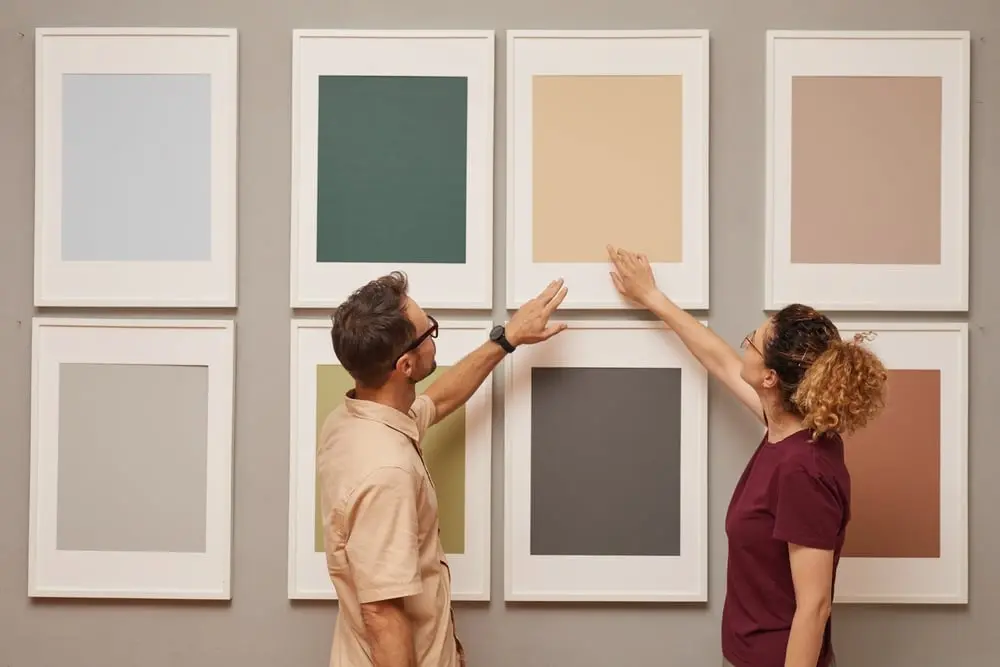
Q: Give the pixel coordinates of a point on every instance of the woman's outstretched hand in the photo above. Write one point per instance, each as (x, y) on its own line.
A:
(632, 275)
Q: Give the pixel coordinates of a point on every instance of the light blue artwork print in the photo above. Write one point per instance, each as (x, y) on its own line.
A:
(136, 167)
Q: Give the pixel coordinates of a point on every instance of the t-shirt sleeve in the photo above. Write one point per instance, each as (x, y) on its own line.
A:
(807, 509)
(382, 546)
(423, 411)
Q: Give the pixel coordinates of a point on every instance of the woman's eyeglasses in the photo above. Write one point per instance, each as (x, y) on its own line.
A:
(748, 342)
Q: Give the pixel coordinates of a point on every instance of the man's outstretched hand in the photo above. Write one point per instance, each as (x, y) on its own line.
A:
(530, 324)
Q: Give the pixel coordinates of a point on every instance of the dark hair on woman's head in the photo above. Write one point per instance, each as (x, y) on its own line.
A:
(832, 384)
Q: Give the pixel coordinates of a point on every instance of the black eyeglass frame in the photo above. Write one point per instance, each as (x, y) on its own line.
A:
(432, 332)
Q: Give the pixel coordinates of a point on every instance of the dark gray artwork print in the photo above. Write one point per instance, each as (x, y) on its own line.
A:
(605, 461)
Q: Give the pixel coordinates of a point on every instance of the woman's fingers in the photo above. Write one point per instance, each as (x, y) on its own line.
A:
(616, 279)
(627, 264)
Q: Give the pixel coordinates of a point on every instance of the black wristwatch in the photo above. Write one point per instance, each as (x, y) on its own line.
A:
(498, 336)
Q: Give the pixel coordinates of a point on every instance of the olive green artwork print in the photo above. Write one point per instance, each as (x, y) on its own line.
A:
(391, 171)
(444, 453)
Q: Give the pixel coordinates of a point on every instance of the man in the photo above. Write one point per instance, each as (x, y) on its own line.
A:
(380, 513)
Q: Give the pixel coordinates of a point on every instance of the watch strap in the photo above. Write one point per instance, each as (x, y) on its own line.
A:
(498, 336)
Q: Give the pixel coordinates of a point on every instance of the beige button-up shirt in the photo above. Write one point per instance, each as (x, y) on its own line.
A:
(381, 529)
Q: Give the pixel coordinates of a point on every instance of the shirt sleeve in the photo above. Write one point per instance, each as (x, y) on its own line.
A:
(807, 511)
(423, 411)
(382, 546)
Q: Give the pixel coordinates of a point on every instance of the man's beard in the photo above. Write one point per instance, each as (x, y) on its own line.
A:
(426, 375)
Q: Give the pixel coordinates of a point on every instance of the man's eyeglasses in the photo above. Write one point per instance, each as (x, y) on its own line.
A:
(432, 332)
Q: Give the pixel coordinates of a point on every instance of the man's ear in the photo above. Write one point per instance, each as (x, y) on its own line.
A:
(405, 364)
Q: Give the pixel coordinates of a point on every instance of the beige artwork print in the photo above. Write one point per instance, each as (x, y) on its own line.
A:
(607, 167)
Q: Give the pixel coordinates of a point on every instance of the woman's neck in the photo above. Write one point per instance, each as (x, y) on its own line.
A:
(781, 423)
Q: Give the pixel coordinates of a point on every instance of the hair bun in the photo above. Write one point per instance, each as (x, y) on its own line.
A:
(863, 336)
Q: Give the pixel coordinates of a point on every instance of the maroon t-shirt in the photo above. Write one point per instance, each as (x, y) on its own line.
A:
(797, 491)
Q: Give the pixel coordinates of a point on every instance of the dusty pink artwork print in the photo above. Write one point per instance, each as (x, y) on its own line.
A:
(866, 170)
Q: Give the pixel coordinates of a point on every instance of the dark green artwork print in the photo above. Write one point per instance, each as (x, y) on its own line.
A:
(391, 169)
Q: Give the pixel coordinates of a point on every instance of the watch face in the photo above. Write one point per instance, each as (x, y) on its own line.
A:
(496, 332)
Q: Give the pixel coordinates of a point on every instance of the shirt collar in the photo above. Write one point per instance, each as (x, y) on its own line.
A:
(382, 414)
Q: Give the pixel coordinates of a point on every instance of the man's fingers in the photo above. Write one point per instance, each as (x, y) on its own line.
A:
(550, 291)
(541, 296)
(555, 300)
(552, 330)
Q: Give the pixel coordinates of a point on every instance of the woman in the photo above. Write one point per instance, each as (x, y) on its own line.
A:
(787, 518)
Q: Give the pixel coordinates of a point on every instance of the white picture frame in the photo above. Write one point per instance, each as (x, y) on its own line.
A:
(607, 52)
(121, 574)
(577, 578)
(869, 287)
(308, 577)
(941, 346)
(138, 283)
(465, 53)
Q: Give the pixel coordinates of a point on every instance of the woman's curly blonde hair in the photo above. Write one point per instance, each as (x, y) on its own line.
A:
(832, 384)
